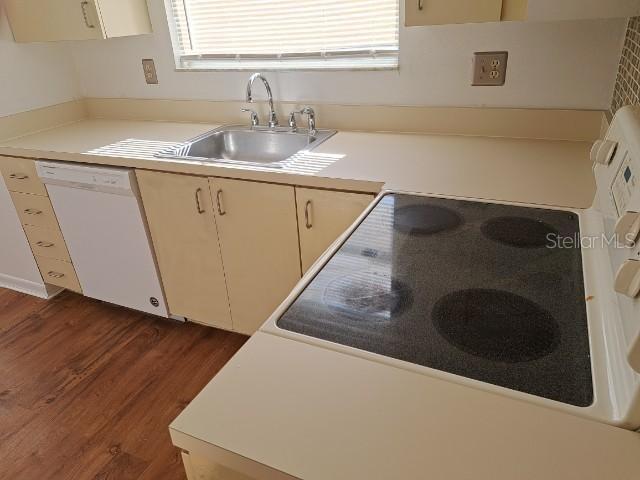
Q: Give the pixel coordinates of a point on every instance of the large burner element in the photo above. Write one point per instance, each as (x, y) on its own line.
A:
(425, 219)
(519, 232)
(496, 325)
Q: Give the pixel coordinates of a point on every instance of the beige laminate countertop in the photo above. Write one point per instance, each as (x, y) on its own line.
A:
(519, 170)
(318, 414)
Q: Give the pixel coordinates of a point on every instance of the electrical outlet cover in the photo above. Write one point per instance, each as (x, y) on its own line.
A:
(149, 70)
(490, 68)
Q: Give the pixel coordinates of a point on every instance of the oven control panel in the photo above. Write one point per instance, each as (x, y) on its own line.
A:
(625, 184)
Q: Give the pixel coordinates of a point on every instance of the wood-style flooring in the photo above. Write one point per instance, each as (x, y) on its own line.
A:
(88, 389)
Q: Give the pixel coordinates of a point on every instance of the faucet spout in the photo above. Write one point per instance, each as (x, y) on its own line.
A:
(273, 119)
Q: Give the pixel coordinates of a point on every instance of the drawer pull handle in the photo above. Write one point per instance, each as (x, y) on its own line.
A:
(33, 211)
(18, 176)
(55, 274)
(85, 14)
(307, 215)
(198, 205)
(221, 210)
(420, 4)
(45, 244)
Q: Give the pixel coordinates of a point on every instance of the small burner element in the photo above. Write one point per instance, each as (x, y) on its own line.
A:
(425, 219)
(496, 325)
(367, 295)
(519, 232)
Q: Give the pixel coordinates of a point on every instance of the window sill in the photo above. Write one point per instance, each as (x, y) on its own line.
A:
(289, 65)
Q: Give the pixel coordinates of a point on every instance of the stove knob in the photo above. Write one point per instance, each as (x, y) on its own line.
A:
(603, 151)
(628, 229)
(628, 279)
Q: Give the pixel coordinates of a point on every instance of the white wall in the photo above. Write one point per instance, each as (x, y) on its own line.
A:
(552, 65)
(33, 75)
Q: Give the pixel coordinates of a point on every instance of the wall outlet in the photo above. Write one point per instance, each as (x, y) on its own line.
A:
(149, 70)
(490, 68)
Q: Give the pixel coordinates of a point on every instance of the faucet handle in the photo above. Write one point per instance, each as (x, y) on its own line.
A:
(255, 121)
(292, 120)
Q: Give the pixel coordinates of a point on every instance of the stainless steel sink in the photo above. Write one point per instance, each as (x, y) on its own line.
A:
(243, 145)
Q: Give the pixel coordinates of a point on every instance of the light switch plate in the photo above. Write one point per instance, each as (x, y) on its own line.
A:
(490, 68)
(149, 69)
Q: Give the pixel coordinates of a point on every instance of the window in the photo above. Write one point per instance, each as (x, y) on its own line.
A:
(285, 34)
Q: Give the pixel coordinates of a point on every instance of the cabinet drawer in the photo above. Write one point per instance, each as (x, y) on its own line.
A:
(47, 242)
(57, 272)
(20, 176)
(35, 210)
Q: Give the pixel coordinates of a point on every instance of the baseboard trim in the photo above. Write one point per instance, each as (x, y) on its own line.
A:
(28, 287)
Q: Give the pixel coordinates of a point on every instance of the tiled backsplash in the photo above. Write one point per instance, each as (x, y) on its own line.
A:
(627, 89)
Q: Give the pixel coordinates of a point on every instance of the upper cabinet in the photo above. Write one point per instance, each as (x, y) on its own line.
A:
(580, 9)
(53, 20)
(440, 12)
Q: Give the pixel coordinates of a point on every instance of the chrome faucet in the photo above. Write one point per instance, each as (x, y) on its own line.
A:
(311, 118)
(273, 120)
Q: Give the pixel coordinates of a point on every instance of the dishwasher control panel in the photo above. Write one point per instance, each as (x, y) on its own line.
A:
(106, 179)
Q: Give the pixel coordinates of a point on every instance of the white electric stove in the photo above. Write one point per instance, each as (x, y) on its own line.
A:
(536, 303)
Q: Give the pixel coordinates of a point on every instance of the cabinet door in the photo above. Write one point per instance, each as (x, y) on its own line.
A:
(581, 9)
(51, 20)
(439, 12)
(183, 230)
(259, 242)
(323, 216)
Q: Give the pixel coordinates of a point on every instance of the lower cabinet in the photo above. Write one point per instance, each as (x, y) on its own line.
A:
(258, 235)
(230, 251)
(182, 224)
(323, 215)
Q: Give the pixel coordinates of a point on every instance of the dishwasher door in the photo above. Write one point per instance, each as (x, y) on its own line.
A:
(110, 246)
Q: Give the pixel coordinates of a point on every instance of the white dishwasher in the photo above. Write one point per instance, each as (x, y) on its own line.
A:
(102, 221)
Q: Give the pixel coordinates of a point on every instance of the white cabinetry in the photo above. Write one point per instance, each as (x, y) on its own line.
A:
(52, 20)
(581, 9)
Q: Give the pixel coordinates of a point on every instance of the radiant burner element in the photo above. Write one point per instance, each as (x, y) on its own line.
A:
(519, 232)
(425, 219)
(496, 325)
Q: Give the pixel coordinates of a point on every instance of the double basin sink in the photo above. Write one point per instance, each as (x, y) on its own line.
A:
(251, 146)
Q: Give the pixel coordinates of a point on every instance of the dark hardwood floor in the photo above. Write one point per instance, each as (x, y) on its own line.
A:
(87, 389)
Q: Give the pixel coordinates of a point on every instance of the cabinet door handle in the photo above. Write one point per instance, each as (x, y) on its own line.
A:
(307, 215)
(33, 211)
(18, 176)
(85, 14)
(198, 204)
(45, 244)
(55, 274)
(420, 4)
(221, 210)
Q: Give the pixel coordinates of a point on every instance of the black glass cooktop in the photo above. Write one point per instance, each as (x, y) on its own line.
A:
(476, 289)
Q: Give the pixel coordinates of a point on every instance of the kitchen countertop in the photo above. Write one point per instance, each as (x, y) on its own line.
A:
(518, 170)
(319, 414)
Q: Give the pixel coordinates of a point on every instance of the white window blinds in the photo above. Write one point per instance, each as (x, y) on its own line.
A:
(286, 34)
